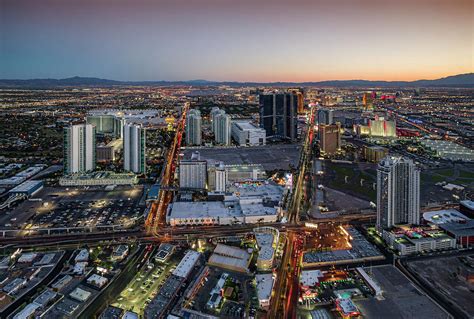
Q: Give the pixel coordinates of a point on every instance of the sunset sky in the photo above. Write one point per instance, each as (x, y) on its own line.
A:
(245, 40)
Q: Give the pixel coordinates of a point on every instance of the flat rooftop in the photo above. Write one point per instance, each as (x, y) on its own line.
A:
(245, 125)
(186, 264)
(444, 216)
(264, 286)
(218, 209)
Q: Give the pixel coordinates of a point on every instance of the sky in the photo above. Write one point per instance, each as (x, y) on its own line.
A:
(244, 40)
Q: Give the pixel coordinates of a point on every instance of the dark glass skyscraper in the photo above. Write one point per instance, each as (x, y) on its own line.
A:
(278, 115)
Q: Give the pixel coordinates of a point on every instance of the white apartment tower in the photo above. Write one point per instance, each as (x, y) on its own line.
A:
(193, 128)
(79, 149)
(398, 192)
(222, 128)
(221, 178)
(134, 148)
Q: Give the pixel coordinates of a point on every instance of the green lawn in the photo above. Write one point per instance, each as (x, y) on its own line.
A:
(466, 174)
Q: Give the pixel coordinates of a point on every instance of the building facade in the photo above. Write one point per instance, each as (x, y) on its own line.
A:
(325, 116)
(193, 128)
(222, 129)
(245, 133)
(193, 173)
(279, 114)
(79, 149)
(398, 192)
(134, 148)
(330, 138)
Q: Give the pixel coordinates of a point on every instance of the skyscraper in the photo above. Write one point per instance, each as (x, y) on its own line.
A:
(300, 94)
(134, 148)
(278, 115)
(193, 128)
(330, 138)
(193, 173)
(220, 175)
(325, 116)
(222, 127)
(214, 112)
(79, 148)
(107, 124)
(398, 192)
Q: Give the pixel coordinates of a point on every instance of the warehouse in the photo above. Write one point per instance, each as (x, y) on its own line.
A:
(28, 188)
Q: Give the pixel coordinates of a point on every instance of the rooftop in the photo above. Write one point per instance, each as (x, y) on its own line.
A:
(186, 264)
(444, 216)
(264, 286)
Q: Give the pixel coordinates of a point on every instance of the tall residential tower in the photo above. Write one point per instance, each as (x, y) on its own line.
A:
(193, 128)
(134, 148)
(398, 192)
(79, 148)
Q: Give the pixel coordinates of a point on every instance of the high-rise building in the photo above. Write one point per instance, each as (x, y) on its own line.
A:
(398, 192)
(214, 112)
(325, 116)
(134, 148)
(222, 128)
(279, 115)
(368, 100)
(300, 95)
(107, 124)
(220, 178)
(193, 128)
(193, 172)
(330, 138)
(79, 148)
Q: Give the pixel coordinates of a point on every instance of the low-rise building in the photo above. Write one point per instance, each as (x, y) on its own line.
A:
(245, 133)
(80, 295)
(187, 264)
(265, 284)
(99, 179)
(97, 281)
(231, 258)
(409, 240)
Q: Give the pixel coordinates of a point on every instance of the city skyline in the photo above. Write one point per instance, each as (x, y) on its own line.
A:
(225, 41)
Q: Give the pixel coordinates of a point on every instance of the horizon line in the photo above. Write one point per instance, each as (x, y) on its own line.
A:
(228, 81)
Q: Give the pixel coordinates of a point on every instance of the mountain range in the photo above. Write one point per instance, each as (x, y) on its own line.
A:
(455, 81)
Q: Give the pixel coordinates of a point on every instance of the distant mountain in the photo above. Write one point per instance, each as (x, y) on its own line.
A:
(456, 81)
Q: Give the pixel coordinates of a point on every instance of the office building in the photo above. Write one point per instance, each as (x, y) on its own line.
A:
(325, 116)
(398, 192)
(330, 138)
(278, 115)
(134, 148)
(245, 133)
(79, 148)
(222, 128)
(193, 128)
(193, 173)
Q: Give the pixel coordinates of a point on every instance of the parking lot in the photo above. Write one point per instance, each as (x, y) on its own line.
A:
(77, 207)
(451, 278)
(233, 307)
(272, 157)
(359, 249)
(400, 298)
